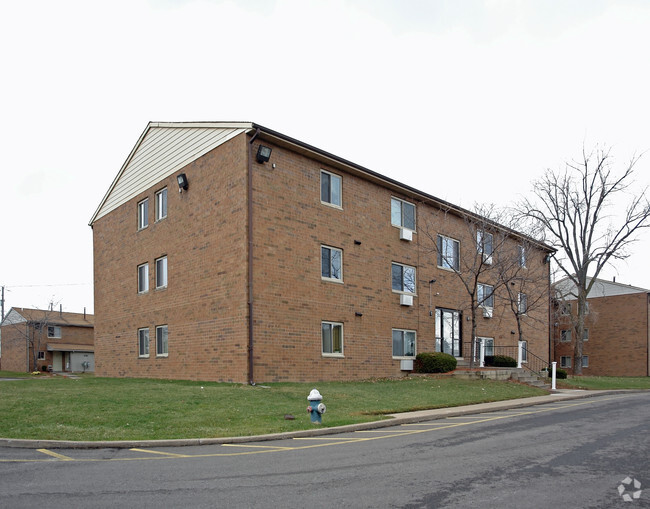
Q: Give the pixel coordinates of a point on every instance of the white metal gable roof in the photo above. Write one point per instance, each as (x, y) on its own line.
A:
(163, 149)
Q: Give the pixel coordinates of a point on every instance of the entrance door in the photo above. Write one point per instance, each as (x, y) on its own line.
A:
(448, 332)
(57, 362)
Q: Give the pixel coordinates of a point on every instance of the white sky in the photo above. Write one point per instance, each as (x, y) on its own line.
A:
(466, 100)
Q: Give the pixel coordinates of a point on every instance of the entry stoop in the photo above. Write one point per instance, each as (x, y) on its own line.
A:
(527, 377)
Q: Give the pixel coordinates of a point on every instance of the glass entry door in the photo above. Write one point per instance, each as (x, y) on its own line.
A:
(448, 337)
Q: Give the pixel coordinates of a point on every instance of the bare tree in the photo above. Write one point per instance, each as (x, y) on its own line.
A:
(572, 208)
(476, 268)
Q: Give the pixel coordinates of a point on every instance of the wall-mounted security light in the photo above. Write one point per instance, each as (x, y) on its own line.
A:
(183, 184)
(263, 154)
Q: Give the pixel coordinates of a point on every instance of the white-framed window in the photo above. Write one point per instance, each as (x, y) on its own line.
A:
(330, 188)
(484, 243)
(403, 278)
(53, 331)
(402, 213)
(522, 303)
(485, 295)
(332, 339)
(143, 214)
(403, 343)
(161, 272)
(522, 256)
(41, 356)
(524, 351)
(488, 346)
(565, 309)
(565, 361)
(331, 262)
(448, 253)
(565, 335)
(143, 342)
(585, 361)
(162, 334)
(585, 334)
(161, 204)
(143, 278)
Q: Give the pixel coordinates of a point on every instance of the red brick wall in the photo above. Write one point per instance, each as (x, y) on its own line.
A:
(205, 303)
(14, 348)
(618, 336)
(291, 299)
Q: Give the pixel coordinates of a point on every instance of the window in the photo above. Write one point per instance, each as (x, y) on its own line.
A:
(448, 253)
(161, 341)
(403, 278)
(161, 204)
(331, 263)
(522, 303)
(53, 332)
(402, 214)
(484, 242)
(448, 331)
(565, 336)
(161, 272)
(565, 361)
(332, 336)
(585, 334)
(585, 361)
(403, 343)
(330, 188)
(143, 278)
(524, 351)
(143, 342)
(488, 346)
(485, 295)
(143, 214)
(565, 309)
(522, 256)
(41, 356)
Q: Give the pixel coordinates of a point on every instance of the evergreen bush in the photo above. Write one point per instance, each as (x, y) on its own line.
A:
(434, 362)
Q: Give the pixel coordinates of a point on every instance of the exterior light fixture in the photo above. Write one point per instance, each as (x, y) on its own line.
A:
(263, 154)
(183, 184)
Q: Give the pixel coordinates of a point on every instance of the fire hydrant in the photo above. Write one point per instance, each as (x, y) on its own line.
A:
(316, 408)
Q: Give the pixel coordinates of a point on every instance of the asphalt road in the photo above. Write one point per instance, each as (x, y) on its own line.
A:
(562, 455)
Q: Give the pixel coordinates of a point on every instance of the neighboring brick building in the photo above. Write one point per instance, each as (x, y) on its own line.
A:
(36, 339)
(617, 337)
(303, 266)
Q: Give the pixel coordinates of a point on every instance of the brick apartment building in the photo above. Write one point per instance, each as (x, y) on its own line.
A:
(46, 340)
(231, 252)
(617, 335)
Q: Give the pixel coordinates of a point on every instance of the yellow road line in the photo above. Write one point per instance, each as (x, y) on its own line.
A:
(258, 446)
(170, 454)
(56, 455)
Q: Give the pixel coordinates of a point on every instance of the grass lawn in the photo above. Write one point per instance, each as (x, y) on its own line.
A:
(605, 382)
(92, 408)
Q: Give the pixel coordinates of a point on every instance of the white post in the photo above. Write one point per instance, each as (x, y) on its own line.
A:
(553, 373)
(520, 345)
(482, 353)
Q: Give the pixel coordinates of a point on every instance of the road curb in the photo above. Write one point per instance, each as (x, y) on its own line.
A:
(393, 420)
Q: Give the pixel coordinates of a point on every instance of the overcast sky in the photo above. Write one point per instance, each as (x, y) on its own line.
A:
(466, 100)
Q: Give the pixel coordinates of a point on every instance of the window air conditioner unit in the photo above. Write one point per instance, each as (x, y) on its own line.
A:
(487, 259)
(406, 300)
(406, 234)
(406, 364)
(487, 312)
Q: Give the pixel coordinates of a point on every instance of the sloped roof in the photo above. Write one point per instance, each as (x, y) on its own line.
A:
(162, 149)
(601, 288)
(166, 147)
(61, 318)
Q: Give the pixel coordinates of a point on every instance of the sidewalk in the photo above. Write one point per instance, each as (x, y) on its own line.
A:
(396, 420)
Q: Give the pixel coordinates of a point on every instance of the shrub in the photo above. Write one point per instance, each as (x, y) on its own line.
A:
(560, 374)
(434, 362)
(503, 361)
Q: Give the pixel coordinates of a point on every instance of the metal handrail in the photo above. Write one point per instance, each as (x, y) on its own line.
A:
(533, 363)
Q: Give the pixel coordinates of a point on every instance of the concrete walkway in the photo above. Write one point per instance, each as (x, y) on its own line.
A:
(395, 420)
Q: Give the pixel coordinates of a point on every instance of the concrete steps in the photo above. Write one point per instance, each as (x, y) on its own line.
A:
(520, 375)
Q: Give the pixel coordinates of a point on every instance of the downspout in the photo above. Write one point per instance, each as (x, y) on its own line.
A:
(251, 378)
